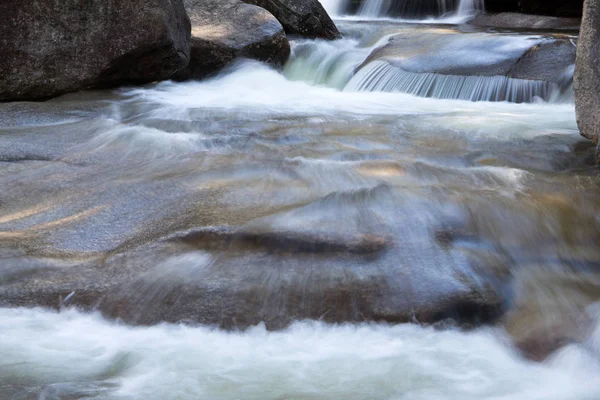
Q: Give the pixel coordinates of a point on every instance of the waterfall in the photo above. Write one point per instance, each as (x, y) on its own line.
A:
(382, 76)
(403, 8)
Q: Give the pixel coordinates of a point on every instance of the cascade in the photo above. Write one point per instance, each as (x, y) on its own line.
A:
(382, 76)
(403, 8)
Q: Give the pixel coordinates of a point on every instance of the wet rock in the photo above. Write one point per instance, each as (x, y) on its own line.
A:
(51, 47)
(234, 290)
(549, 61)
(470, 66)
(534, 59)
(225, 30)
(560, 8)
(551, 307)
(301, 17)
(512, 20)
(287, 241)
(587, 73)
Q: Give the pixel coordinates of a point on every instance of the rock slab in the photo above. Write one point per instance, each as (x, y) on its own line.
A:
(50, 47)
(587, 73)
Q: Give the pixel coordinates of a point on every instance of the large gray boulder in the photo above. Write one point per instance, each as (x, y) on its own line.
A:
(301, 17)
(587, 73)
(225, 30)
(50, 47)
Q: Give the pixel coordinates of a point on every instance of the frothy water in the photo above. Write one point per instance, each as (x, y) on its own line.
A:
(74, 355)
(405, 8)
(384, 77)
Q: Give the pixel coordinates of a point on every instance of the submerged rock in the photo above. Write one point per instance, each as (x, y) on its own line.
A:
(587, 73)
(52, 47)
(225, 30)
(301, 17)
(470, 66)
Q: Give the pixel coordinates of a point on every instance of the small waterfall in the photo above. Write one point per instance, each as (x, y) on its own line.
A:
(322, 63)
(384, 77)
(403, 8)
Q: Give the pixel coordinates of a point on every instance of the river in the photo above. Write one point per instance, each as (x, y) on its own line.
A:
(268, 234)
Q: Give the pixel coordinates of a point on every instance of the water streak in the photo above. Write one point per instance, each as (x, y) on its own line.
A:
(385, 77)
(405, 8)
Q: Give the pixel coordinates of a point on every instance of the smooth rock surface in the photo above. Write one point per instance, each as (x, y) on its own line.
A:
(557, 8)
(561, 8)
(477, 54)
(306, 18)
(225, 30)
(513, 20)
(51, 47)
(587, 73)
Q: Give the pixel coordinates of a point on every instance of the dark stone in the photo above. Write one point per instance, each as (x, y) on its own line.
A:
(513, 20)
(559, 8)
(306, 18)
(51, 47)
(225, 30)
(288, 241)
(501, 6)
(587, 73)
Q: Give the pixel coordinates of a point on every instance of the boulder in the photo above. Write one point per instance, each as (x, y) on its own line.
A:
(51, 47)
(301, 17)
(587, 73)
(225, 30)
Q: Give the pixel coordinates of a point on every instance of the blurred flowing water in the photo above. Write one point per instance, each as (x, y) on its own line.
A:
(269, 198)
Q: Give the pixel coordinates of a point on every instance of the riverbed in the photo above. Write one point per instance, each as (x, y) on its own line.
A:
(292, 234)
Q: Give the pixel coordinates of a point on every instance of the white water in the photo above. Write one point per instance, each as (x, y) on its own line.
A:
(384, 77)
(381, 8)
(416, 65)
(254, 89)
(80, 355)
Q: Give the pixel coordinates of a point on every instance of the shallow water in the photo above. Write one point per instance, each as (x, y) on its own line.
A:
(261, 196)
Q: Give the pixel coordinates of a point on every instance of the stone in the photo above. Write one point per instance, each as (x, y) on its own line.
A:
(560, 8)
(51, 47)
(306, 18)
(427, 52)
(514, 20)
(223, 31)
(557, 8)
(587, 73)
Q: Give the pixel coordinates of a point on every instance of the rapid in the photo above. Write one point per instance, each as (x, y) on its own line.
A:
(322, 232)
